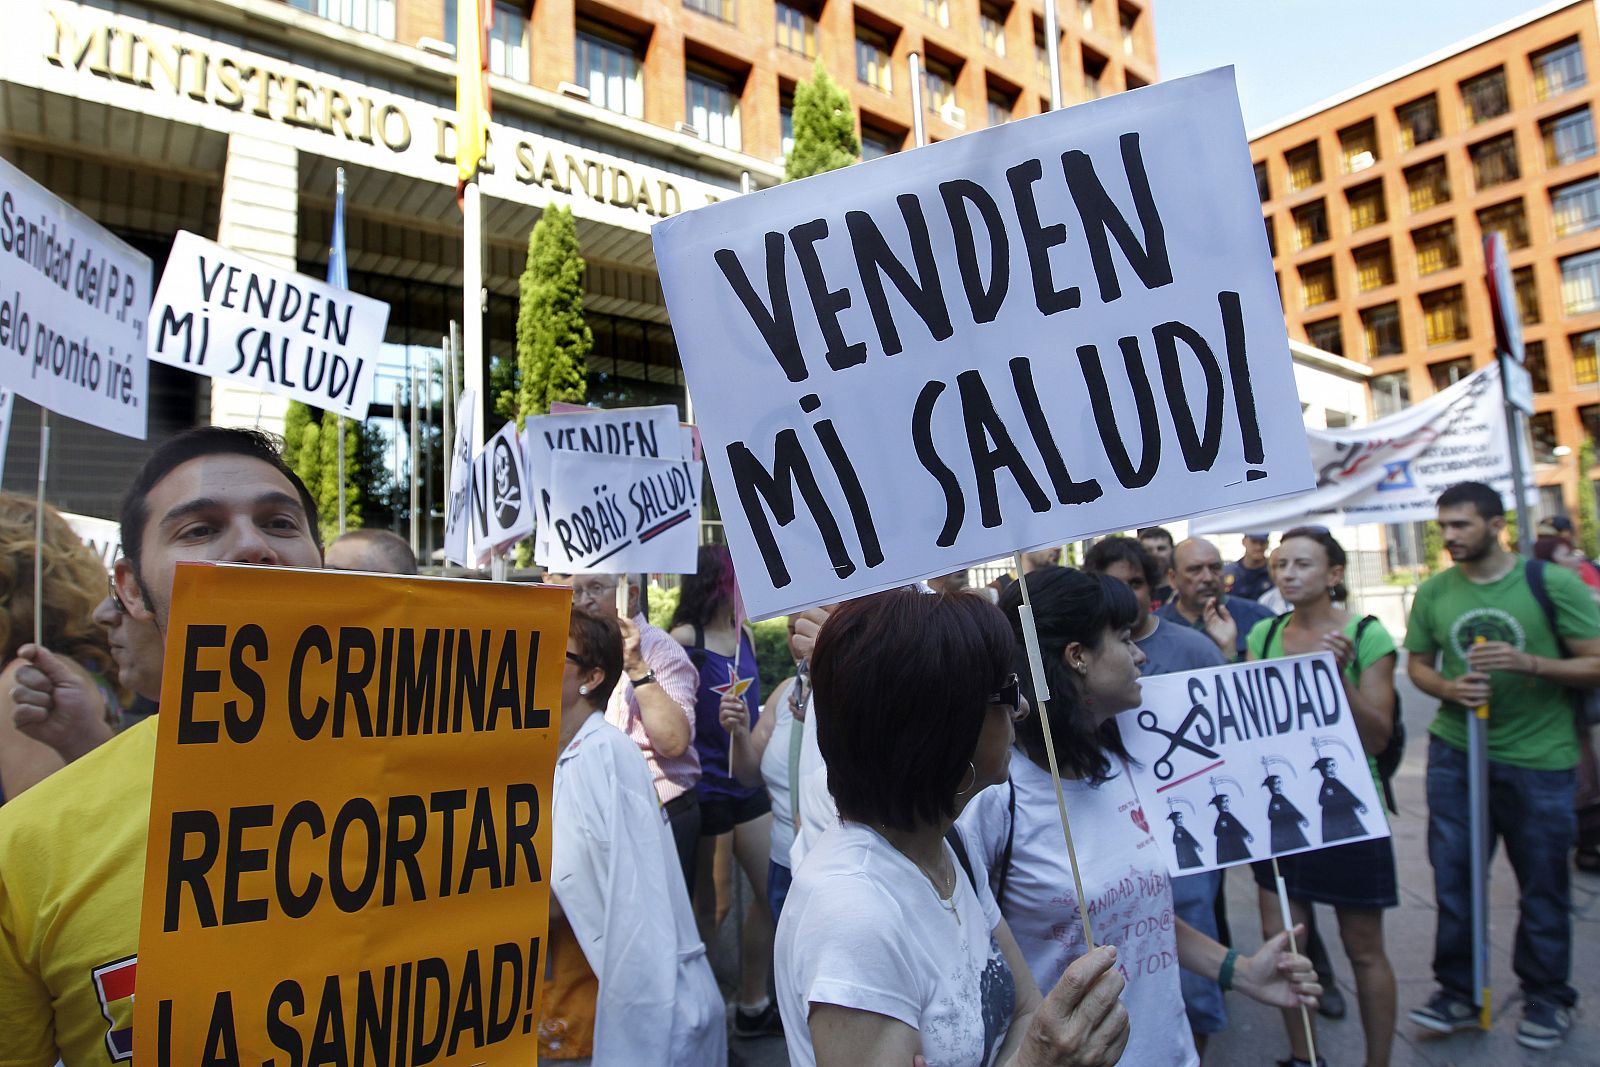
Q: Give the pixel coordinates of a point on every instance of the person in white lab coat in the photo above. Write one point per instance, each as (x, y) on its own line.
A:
(617, 881)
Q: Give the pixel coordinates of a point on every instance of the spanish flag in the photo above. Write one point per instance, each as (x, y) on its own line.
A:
(472, 87)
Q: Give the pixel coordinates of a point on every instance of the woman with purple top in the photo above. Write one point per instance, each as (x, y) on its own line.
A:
(730, 693)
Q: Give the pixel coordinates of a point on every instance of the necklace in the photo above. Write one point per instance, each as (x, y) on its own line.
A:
(945, 897)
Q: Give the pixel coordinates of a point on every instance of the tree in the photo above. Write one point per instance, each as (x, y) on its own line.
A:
(553, 338)
(1588, 506)
(824, 128)
(328, 492)
(309, 448)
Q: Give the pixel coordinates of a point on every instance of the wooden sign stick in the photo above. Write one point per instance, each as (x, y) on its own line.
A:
(1288, 924)
(38, 529)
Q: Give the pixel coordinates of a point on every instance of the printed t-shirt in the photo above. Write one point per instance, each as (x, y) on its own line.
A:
(1125, 878)
(719, 674)
(71, 881)
(1530, 717)
(863, 928)
(775, 772)
(1246, 613)
(1376, 643)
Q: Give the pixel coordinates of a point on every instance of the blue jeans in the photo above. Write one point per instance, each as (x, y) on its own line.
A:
(1532, 811)
(779, 878)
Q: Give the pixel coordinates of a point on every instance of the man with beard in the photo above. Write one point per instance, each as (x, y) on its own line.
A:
(1524, 674)
(1200, 602)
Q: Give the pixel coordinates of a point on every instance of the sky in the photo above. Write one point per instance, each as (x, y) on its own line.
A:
(1293, 53)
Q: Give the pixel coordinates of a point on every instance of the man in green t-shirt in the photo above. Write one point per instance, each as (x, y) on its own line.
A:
(1520, 670)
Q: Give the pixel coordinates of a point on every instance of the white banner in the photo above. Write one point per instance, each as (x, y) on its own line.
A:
(7, 399)
(502, 508)
(1394, 469)
(224, 314)
(103, 536)
(1034, 333)
(458, 493)
(1271, 747)
(73, 306)
(622, 514)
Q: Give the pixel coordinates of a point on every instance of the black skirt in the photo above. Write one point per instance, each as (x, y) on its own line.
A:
(1358, 875)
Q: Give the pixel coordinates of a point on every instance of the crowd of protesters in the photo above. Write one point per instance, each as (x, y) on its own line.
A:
(890, 803)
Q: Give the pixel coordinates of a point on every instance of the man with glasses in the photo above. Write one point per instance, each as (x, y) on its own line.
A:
(653, 704)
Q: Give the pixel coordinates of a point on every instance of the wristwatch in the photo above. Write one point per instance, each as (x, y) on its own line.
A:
(648, 679)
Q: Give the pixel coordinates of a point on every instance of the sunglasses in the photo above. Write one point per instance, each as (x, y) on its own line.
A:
(1009, 695)
(116, 601)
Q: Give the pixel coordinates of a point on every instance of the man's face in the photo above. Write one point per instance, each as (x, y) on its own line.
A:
(1159, 549)
(1044, 557)
(597, 593)
(136, 645)
(1467, 535)
(224, 508)
(1255, 553)
(1124, 571)
(1196, 573)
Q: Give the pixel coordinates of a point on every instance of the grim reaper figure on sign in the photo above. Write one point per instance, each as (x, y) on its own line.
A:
(1183, 842)
(1339, 804)
(1232, 837)
(1285, 818)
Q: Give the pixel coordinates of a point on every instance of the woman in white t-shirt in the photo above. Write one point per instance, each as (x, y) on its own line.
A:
(885, 950)
(1012, 832)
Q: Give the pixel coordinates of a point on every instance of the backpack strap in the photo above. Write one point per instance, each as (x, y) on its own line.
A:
(1361, 629)
(1541, 593)
(697, 651)
(797, 733)
(1278, 622)
(959, 847)
(1011, 834)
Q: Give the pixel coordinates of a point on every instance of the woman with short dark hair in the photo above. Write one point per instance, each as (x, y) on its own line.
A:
(886, 950)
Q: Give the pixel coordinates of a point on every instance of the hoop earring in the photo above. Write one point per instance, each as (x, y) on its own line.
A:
(972, 779)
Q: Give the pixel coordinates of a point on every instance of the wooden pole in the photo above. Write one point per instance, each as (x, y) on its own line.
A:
(1288, 924)
(38, 528)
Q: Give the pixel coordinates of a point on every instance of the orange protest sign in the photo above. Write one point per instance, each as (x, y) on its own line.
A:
(349, 830)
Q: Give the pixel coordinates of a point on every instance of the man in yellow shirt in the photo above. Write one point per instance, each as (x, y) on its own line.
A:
(72, 849)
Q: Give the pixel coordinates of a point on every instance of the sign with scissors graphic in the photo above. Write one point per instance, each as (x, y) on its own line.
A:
(1269, 747)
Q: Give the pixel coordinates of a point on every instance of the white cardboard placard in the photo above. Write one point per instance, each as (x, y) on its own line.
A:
(73, 307)
(1054, 328)
(1247, 741)
(458, 499)
(622, 514)
(502, 508)
(227, 315)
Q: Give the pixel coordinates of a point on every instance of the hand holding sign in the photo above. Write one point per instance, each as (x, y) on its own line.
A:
(1277, 975)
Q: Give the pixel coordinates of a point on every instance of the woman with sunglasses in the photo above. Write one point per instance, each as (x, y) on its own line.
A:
(618, 906)
(1012, 833)
(886, 951)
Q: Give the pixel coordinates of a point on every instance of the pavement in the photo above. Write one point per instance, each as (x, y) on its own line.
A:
(1256, 1034)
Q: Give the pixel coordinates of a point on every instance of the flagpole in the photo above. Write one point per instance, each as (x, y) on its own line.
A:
(411, 449)
(919, 134)
(339, 274)
(473, 375)
(1052, 42)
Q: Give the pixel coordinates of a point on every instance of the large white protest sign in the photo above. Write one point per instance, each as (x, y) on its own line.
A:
(1050, 329)
(1394, 469)
(73, 307)
(622, 514)
(103, 536)
(502, 509)
(1270, 747)
(227, 315)
(458, 498)
(7, 398)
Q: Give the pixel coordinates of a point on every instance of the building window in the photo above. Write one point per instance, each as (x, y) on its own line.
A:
(508, 39)
(1484, 97)
(1558, 70)
(1585, 357)
(1580, 283)
(1041, 57)
(1575, 208)
(610, 71)
(1000, 107)
(1494, 161)
(1374, 267)
(368, 16)
(1358, 146)
(1538, 369)
(1444, 314)
(712, 106)
(1310, 224)
(1380, 330)
(717, 9)
(1305, 167)
(786, 124)
(937, 10)
(1567, 138)
(1444, 375)
(1436, 247)
(1263, 184)
(872, 60)
(939, 92)
(1542, 428)
(1509, 220)
(1428, 185)
(1094, 70)
(992, 23)
(876, 144)
(1316, 284)
(1326, 335)
(797, 30)
(1391, 393)
(1366, 205)
(1419, 122)
(1272, 236)
(1129, 19)
(1527, 295)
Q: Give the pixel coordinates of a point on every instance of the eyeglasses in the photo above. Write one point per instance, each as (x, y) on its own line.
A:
(597, 593)
(116, 600)
(1009, 695)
